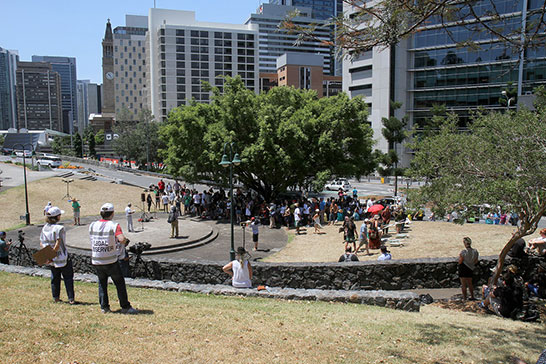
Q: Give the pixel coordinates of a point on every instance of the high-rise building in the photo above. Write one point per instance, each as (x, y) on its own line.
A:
(321, 9)
(66, 68)
(274, 41)
(8, 98)
(130, 64)
(430, 68)
(184, 52)
(39, 104)
(108, 94)
(89, 101)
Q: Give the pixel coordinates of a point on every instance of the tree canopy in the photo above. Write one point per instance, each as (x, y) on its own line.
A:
(285, 137)
(499, 161)
(138, 140)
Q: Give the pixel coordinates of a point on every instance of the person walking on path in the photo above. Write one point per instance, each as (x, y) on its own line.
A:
(316, 222)
(54, 235)
(76, 209)
(173, 220)
(468, 258)
(129, 215)
(149, 201)
(240, 270)
(364, 236)
(106, 237)
(4, 248)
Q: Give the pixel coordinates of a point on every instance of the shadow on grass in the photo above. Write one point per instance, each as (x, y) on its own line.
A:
(140, 312)
(533, 339)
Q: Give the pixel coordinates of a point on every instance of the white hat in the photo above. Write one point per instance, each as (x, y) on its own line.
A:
(107, 207)
(54, 211)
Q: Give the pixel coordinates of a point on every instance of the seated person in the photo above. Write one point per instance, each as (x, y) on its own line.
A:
(537, 284)
(504, 298)
(385, 254)
(348, 256)
(240, 270)
(538, 245)
(518, 249)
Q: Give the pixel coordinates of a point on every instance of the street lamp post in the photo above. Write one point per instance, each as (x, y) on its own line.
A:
(230, 162)
(27, 215)
(508, 99)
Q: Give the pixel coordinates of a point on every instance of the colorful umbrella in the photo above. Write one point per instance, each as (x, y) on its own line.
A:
(375, 208)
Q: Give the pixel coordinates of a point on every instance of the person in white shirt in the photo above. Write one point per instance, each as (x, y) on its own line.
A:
(297, 218)
(255, 232)
(240, 270)
(385, 254)
(129, 214)
(54, 235)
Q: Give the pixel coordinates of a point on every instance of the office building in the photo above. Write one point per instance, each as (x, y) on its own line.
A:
(274, 42)
(130, 64)
(89, 102)
(8, 98)
(430, 68)
(305, 71)
(184, 52)
(321, 9)
(66, 68)
(39, 104)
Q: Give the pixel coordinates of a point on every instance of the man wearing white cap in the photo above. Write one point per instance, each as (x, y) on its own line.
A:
(54, 235)
(129, 214)
(106, 239)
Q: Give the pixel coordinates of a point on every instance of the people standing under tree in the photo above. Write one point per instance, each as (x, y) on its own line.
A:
(53, 235)
(106, 237)
(129, 215)
(240, 270)
(468, 258)
(76, 209)
(4, 248)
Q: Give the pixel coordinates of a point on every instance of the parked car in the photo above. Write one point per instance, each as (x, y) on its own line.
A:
(19, 153)
(338, 183)
(49, 161)
(389, 201)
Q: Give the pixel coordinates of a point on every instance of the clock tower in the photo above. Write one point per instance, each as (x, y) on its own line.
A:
(108, 98)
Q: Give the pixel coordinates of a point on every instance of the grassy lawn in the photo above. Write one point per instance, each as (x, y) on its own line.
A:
(193, 328)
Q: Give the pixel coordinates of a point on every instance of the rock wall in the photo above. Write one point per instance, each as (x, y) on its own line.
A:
(387, 275)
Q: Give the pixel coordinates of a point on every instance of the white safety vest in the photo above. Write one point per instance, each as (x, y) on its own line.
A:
(104, 246)
(50, 234)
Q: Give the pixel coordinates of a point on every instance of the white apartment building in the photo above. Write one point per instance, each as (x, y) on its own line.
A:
(184, 52)
(130, 64)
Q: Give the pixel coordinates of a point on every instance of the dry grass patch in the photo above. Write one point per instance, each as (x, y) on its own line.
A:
(91, 195)
(193, 328)
(426, 240)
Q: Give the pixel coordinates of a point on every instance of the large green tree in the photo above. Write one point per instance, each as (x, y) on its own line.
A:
(137, 140)
(286, 138)
(499, 161)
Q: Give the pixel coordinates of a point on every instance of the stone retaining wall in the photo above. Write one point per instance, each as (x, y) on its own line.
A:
(388, 275)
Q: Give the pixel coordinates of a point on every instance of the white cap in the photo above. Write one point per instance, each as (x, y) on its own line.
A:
(107, 207)
(54, 211)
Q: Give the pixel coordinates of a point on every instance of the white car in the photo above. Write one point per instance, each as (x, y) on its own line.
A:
(49, 161)
(19, 153)
(336, 184)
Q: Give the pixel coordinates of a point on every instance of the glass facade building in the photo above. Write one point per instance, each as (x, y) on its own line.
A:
(8, 100)
(463, 78)
(321, 9)
(66, 68)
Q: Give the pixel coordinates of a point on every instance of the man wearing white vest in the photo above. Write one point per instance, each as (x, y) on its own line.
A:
(106, 239)
(54, 235)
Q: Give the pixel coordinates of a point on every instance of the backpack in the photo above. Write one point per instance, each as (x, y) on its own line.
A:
(171, 217)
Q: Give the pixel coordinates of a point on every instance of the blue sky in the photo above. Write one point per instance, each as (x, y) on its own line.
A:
(74, 28)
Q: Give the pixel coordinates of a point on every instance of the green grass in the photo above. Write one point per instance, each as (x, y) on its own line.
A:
(194, 328)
